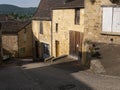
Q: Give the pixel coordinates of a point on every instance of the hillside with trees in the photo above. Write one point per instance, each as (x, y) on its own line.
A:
(17, 12)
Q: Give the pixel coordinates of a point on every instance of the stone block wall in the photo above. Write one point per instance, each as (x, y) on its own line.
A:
(10, 45)
(65, 19)
(108, 44)
(42, 38)
(93, 22)
(25, 39)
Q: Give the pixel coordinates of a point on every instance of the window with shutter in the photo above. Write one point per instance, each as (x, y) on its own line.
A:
(116, 20)
(77, 16)
(111, 19)
(107, 19)
(25, 36)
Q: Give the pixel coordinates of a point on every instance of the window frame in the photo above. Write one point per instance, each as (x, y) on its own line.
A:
(25, 35)
(77, 16)
(41, 27)
(112, 30)
(56, 27)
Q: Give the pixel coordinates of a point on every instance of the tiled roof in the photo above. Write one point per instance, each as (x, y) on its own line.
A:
(45, 7)
(12, 27)
(4, 17)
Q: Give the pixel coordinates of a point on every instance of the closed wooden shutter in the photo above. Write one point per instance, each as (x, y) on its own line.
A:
(116, 20)
(107, 19)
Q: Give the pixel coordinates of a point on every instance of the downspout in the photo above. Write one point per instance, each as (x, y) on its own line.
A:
(51, 34)
(18, 44)
(32, 40)
(1, 52)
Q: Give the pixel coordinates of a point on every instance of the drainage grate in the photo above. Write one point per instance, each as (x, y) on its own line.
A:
(67, 87)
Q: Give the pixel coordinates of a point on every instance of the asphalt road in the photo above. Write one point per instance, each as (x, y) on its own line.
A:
(67, 76)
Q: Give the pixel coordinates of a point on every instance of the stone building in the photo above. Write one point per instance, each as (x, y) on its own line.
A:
(102, 29)
(54, 23)
(9, 37)
(25, 41)
(68, 28)
(41, 26)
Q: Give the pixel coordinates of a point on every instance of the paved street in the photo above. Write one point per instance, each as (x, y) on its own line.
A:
(66, 76)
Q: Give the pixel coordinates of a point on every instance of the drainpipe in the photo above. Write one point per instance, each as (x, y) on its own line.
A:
(33, 45)
(1, 54)
(18, 45)
(51, 34)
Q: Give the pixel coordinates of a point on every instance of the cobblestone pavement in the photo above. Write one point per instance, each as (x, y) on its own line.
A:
(41, 76)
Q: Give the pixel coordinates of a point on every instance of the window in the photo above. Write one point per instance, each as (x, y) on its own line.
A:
(41, 28)
(111, 19)
(56, 27)
(77, 16)
(25, 36)
(22, 50)
(45, 49)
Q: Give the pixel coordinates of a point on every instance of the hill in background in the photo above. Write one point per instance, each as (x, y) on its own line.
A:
(17, 12)
(7, 9)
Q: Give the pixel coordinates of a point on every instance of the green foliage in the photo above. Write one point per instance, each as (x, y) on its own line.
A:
(17, 12)
(20, 16)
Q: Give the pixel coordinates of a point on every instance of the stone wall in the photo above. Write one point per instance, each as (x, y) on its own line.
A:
(65, 19)
(25, 39)
(108, 44)
(93, 21)
(10, 45)
(42, 38)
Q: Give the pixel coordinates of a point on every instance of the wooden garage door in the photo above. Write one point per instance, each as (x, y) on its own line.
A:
(75, 43)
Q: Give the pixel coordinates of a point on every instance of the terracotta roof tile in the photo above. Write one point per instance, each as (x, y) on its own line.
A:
(4, 17)
(12, 27)
(45, 7)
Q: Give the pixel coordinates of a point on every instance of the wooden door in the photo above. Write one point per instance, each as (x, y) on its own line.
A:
(57, 48)
(75, 43)
(37, 48)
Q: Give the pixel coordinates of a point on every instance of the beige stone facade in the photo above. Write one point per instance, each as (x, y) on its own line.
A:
(44, 37)
(25, 42)
(108, 43)
(93, 20)
(10, 45)
(65, 18)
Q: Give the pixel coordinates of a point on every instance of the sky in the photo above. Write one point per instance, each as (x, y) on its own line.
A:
(21, 3)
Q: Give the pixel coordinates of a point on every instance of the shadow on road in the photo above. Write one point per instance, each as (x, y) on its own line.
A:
(58, 76)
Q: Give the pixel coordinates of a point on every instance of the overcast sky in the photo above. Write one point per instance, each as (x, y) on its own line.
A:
(21, 3)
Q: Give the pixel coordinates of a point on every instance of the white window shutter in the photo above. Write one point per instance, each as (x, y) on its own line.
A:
(107, 19)
(116, 20)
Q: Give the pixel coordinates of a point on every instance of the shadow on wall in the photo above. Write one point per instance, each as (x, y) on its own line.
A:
(107, 51)
(7, 54)
(57, 77)
(108, 54)
(41, 50)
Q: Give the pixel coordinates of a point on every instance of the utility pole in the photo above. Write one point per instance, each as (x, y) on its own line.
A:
(1, 57)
